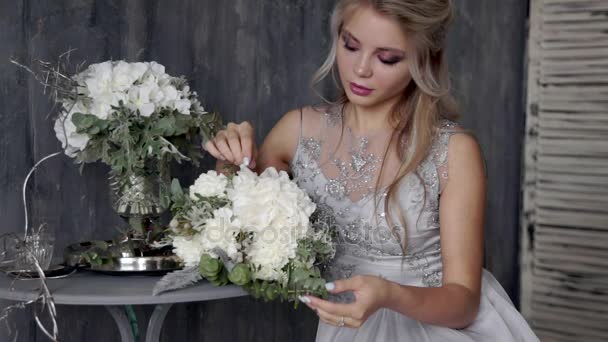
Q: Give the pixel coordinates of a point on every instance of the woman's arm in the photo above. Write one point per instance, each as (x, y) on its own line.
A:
(280, 144)
(461, 213)
(237, 142)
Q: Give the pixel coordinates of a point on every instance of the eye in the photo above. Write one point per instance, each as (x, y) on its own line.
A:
(349, 47)
(349, 44)
(390, 60)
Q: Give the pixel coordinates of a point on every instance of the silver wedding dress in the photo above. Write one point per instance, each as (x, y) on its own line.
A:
(339, 170)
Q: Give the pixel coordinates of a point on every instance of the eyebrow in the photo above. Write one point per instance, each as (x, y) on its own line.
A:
(349, 35)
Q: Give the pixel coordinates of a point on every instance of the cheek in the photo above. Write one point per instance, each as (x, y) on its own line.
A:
(394, 79)
(344, 62)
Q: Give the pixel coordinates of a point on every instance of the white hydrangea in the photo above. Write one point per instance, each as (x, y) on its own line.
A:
(65, 130)
(144, 88)
(270, 256)
(269, 208)
(277, 211)
(209, 184)
(221, 232)
(189, 249)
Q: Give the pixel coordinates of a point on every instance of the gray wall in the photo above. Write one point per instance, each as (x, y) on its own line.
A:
(250, 60)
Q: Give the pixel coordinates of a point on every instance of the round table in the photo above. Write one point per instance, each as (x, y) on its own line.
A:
(89, 288)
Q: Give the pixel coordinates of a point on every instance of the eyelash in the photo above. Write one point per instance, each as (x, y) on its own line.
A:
(387, 62)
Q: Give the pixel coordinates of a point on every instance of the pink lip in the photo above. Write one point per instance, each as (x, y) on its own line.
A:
(360, 90)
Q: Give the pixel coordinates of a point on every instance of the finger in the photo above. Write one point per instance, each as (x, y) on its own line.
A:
(247, 141)
(234, 142)
(222, 145)
(254, 157)
(329, 318)
(343, 285)
(212, 150)
(337, 309)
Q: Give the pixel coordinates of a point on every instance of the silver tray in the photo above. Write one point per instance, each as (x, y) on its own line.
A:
(152, 265)
(124, 265)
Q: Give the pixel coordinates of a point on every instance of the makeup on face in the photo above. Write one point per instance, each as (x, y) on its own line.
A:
(372, 58)
(386, 55)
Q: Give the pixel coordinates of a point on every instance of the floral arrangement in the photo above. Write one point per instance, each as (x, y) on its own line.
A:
(258, 232)
(135, 118)
(126, 114)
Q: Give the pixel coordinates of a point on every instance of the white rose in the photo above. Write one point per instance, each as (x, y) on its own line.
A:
(208, 185)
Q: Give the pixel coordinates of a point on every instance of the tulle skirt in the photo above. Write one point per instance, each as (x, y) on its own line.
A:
(497, 321)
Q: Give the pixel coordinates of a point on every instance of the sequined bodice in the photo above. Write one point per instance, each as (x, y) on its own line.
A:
(339, 170)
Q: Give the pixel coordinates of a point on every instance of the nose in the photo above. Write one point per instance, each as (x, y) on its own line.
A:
(363, 67)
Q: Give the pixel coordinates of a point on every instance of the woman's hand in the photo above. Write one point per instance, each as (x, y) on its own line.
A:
(235, 144)
(371, 293)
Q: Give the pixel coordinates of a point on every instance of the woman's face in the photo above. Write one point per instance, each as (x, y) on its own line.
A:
(371, 58)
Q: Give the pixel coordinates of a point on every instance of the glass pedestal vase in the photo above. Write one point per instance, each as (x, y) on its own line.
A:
(141, 198)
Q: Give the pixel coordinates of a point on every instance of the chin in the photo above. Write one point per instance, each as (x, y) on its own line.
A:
(368, 101)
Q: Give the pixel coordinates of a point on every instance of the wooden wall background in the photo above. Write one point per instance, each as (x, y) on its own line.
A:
(250, 60)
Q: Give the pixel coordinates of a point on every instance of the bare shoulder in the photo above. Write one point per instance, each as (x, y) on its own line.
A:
(462, 142)
(290, 123)
(465, 157)
(281, 142)
(293, 122)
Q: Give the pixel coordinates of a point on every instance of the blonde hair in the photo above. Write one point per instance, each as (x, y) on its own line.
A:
(426, 100)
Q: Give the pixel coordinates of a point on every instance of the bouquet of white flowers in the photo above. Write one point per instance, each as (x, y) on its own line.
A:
(258, 232)
(125, 114)
(135, 118)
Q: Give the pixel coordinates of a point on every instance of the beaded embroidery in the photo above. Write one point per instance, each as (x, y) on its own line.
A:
(357, 231)
(357, 174)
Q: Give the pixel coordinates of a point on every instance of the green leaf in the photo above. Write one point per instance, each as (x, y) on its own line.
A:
(299, 275)
(83, 121)
(165, 126)
(176, 188)
(182, 124)
(93, 130)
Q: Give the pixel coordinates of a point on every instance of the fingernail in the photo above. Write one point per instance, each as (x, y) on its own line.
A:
(246, 161)
(330, 286)
(304, 300)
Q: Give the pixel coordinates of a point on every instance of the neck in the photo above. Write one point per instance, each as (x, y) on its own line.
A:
(362, 120)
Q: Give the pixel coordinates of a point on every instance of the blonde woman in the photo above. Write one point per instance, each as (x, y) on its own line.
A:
(403, 184)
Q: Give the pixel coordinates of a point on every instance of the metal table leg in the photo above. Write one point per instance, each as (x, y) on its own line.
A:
(155, 324)
(122, 321)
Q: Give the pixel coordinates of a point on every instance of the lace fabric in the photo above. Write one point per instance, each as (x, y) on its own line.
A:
(340, 170)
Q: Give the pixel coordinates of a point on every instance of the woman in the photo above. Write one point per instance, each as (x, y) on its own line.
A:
(402, 182)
